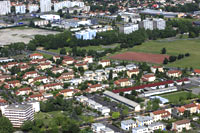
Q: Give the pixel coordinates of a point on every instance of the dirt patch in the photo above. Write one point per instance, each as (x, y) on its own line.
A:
(140, 57)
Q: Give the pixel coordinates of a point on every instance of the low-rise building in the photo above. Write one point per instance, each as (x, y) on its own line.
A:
(156, 126)
(149, 77)
(36, 56)
(174, 73)
(128, 124)
(141, 129)
(96, 127)
(132, 72)
(104, 63)
(144, 120)
(123, 82)
(178, 126)
(160, 115)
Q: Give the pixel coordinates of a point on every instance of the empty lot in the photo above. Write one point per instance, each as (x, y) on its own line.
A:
(12, 35)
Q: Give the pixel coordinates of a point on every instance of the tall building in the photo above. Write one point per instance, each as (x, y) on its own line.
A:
(45, 5)
(5, 7)
(147, 24)
(33, 8)
(18, 114)
(20, 9)
(159, 24)
(129, 28)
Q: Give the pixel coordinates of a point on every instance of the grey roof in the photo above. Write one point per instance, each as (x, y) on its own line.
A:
(18, 106)
(138, 128)
(128, 122)
(107, 129)
(143, 118)
(155, 124)
(121, 99)
(98, 124)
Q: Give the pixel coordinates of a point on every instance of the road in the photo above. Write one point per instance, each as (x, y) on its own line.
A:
(50, 53)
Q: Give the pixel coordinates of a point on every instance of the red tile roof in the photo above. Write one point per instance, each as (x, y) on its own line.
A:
(143, 86)
(190, 105)
(24, 89)
(182, 122)
(36, 54)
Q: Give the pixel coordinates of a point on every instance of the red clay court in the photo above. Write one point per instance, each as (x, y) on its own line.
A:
(141, 57)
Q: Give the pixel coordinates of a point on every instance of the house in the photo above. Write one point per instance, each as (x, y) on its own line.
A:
(11, 64)
(160, 115)
(38, 61)
(120, 69)
(55, 58)
(31, 74)
(133, 72)
(36, 56)
(149, 77)
(14, 83)
(180, 125)
(156, 126)
(144, 120)
(178, 111)
(96, 127)
(68, 61)
(53, 86)
(42, 79)
(66, 76)
(88, 59)
(44, 66)
(56, 70)
(141, 129)
(192, 108)
(68, 92)
(84, 65)
(123, 82)
(107, 130)
(96, 87)
(182, 81)
(37, 97)
(24, 67)
(196, 72)
(81, 98)
(104, 110)
(128, 124)
(104, 63)
(4, 77)
(174, 73)
(23, 91)
(159, 68)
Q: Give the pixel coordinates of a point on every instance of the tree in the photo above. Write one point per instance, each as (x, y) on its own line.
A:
(119, 18)
(121, 93)
(125, 112)
(27, 126)
(78, 110)
(115, 115)
(110, 75)
(63, 51)
(6, 125)
(31, 46)
(165, 61)
(163, 51)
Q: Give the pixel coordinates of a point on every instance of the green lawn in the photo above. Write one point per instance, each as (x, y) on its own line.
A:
(174, 48)
(45, 55)
(175, 96)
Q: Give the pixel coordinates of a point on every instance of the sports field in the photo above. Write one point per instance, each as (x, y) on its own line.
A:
(173, 47)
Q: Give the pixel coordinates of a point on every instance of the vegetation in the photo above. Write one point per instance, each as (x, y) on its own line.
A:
(6, 125)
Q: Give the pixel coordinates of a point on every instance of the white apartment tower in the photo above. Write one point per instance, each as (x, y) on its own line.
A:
(18, 114)
(20, 9)
(33, 8)
(45, 5)
(147, 24)
(5, 7)
(159, 24)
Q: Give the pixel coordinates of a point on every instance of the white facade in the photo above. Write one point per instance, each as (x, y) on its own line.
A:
(20, 9)
(18, 114)
(142, 129)
(33, 8)
(127, 29)
(5, 7)
(128, 124)
(35, 105)
(159, 24)
(67, 4)
(104, 110)
(96, 127)
(45, 5)
(147, 24)
(50, 17)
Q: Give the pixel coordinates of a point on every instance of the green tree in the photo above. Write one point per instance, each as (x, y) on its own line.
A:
(165, 61)
(125, 112)
(110, 75)
(27, 126)
(119, 18)
(6, 125)
(115, 115)
(163, 51)
(63, 51)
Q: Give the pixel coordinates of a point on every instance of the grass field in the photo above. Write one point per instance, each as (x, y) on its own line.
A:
(174, 48)
(175, 97)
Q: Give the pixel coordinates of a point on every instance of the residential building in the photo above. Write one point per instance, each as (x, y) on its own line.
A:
(18, 114)
(123, 82)
(132, 72)
(149, 77)
(174, 73)
(104, 63)
(36, 56)
(144, 120)
(45, 5)
(107, 130)
(5, 7)
(147, 24)
(128, 124)
(159, 24)
(159, 68)
(104, 110)
(156, 126)
(86, 34)
(178, 126)
(96, 127)
(21, 8)
(160, 115)
(33, 8)
(129, 28)
(141, 129)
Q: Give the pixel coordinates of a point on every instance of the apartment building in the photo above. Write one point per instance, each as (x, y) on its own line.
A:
(178, 126)
(18, 114)
(45, 5)
(33, 8)
(20, 9)
(129, 28)
(86, 34)
(5, 7)
(147, 24)
(159, 24)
